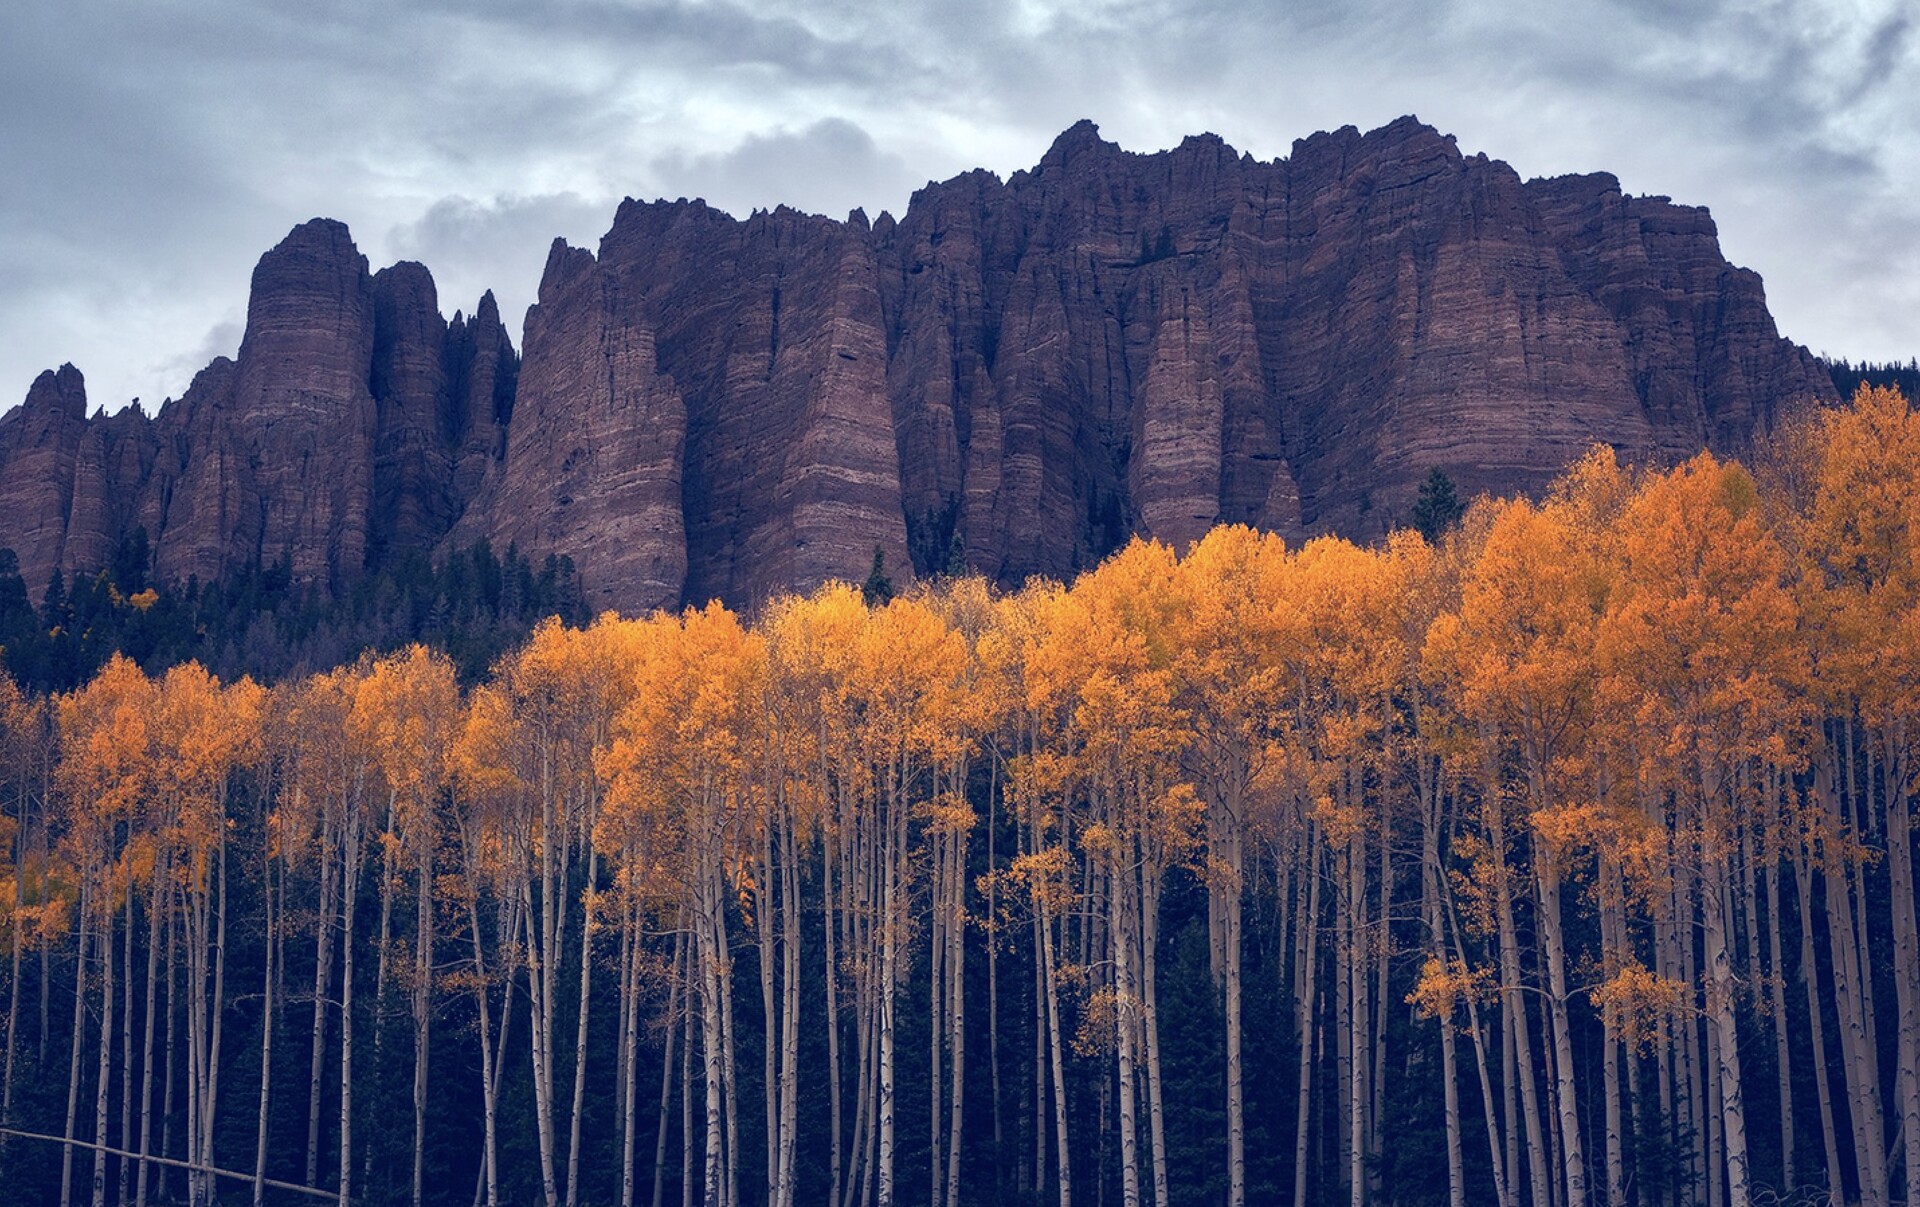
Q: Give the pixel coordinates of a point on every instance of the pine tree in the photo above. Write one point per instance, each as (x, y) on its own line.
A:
(878, 589)
(1438, 508)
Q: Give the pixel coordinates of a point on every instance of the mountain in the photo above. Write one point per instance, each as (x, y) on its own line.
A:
(1015, 375)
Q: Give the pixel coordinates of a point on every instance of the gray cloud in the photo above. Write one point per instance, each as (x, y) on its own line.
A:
(499, 243)
(156, 150)
(830, 167)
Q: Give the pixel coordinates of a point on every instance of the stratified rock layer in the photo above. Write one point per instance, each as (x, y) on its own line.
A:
(1016, 375)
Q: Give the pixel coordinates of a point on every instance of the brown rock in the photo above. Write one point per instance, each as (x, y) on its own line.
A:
(592, 465)
(1018, 372)
(772, 331)
(39, 447)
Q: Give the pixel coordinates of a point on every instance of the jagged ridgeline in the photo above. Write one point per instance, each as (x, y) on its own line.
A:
(1566, 860)
(1011, 378)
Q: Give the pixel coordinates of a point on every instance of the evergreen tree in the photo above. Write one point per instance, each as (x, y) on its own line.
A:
(1438, 507)
(878, 589)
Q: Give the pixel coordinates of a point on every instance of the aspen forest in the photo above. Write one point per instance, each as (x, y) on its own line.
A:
(1563, 860)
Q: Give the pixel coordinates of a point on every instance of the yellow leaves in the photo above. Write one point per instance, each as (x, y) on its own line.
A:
(1567, 828)
(674, 767)
(107, 759)
(1444, 984)
(405, 712)
(1700, 645)
(1641, 1002)
(1101, 841)
(1047, 875)
(949, 813)
(1520, 646)
(1099, 1023)
(1338, 823)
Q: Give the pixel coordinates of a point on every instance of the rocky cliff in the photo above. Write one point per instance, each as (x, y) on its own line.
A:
(1015, 374)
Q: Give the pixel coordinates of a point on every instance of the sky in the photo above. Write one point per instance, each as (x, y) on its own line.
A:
(155, 148)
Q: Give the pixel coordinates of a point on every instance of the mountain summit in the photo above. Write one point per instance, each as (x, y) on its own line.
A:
(1017, 374)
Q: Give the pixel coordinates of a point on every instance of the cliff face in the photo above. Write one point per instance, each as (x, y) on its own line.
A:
(335, 441)
(1016, 374)
(1153, 343)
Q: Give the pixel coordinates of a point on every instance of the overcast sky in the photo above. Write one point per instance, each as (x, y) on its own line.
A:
(154, 148)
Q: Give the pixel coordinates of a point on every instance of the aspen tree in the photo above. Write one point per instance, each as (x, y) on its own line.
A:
(404, 711)
(1699, 642)
(1231, 681)
(105, 774)
(1860, 534)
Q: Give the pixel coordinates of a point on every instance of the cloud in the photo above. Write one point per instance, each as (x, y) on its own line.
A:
(830, 167)
(154, 151)
(498, 243)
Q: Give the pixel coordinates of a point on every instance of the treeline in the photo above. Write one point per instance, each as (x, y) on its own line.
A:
(474, 604)
(1848, 377)
(1566, 861)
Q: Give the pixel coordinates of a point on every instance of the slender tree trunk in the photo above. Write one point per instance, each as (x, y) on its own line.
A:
(686, 1089)
(218, 1011)
(422, 1019)
(936, 1006)
(578, 1107)
(1733, 1120)
(729, 1079)
(1810, 980)
(1382, 952)
(628, 1074)
(1041, 1109)
(13, 1012)
(957, 1012)
(1125, 1024)
(1547, 874)
(322, 986)
(1430, 874)
(1230, 898)
(173, 1034)
(73, 1056)
(1514, 1008)
(1613, 935)
(829, 844)
(1149, 934)
(893, 854)
(1858, 1063)
(124, 1168)
(1056, 1059)
(349, 882)
(1777, 996)
(710, 1039)
(154, 909)
(765, 907)
(993, 977)
(786, 1184)
(103, 1079)
(1359, 993)
(1906, 954)
(1304, 1005)
(489, 1055)
(676, 1004)
(1499, 1138)
(266, 1046)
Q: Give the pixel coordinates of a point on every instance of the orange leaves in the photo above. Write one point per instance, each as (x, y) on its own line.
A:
(145, 769)
(1520, 645)
(1444, 985)
(1858, 534)
(1641, 1002)
(674, 770)
(405, 714)
(1700, 645)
